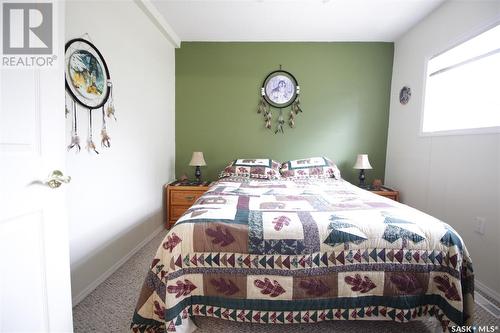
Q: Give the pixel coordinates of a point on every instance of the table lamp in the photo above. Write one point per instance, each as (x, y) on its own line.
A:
(362, 164)
(197, 160)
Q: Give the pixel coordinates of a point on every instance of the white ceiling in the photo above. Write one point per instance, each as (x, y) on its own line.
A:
(293, 20)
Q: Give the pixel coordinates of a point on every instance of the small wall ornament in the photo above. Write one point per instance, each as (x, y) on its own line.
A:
(279, 90)
(89, 86)
(404, 95)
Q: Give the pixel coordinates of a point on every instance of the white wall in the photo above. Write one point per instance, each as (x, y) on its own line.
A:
(115, 198)
(454, 178)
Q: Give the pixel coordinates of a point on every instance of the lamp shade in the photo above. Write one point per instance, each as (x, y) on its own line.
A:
(197, 159)
(362, 162)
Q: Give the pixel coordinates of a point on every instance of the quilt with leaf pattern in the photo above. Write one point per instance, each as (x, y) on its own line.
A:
(304, 251)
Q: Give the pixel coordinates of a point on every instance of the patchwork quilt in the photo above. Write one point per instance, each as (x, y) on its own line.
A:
(304, 251)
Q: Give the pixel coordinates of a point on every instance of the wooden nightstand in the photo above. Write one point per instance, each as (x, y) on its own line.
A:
(180, 197)
(387, 192)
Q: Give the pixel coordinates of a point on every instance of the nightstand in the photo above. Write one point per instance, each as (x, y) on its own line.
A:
(181, 196)
(386, 192)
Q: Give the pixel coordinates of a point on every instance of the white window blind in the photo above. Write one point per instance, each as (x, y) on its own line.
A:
(463, 86)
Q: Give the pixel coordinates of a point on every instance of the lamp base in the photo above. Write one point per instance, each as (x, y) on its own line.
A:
(361, 178)
(197, 174)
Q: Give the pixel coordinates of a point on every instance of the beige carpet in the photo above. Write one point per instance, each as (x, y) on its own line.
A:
(109, 308)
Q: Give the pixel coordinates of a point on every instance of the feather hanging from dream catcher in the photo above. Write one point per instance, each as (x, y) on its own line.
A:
(88, 83)
(105, 139)
(281, 122)
(294, 110)
(264, 108)
(90, 141)
(75, 139)
(279, 90)
(110, 111)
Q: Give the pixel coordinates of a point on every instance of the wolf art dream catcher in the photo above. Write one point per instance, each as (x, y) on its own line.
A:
(89, 86)
(279, 90)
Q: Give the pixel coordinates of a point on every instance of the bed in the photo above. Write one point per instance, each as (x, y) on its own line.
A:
(304, 251)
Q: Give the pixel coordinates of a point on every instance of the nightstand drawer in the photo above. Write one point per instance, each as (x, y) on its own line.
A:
(184, 197)
(180, 198)
(388, 193)
(177, 211)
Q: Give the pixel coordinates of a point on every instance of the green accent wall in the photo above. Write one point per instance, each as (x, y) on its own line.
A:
(344, 92)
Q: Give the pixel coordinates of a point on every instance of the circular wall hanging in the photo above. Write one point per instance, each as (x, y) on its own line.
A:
(280, 89)
(87, 75)
(405, 95)
(88, 83)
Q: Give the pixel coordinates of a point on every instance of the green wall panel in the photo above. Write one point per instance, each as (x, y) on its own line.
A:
(344, 90)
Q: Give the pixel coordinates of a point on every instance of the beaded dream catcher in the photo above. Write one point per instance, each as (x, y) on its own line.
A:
(89, 86)
(279, 90)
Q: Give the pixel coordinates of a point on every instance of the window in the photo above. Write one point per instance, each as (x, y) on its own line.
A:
(463, 86)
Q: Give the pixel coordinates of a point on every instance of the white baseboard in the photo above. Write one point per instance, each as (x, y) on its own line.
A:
(85, 292)
(484, 289)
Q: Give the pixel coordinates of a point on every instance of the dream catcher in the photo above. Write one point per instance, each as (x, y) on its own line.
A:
(279, 90)
(89, 85)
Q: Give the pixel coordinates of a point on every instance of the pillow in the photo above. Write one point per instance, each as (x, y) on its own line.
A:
(313, 167)
(264, 168)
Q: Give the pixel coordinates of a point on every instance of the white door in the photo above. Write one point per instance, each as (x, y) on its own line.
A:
(35, 291)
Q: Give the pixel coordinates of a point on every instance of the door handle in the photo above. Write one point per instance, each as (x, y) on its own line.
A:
(56, 179)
